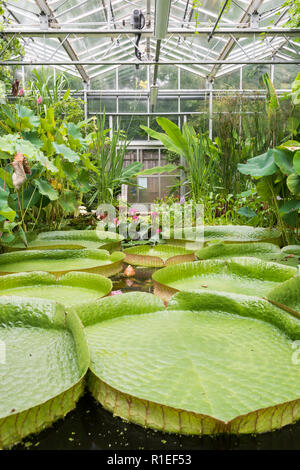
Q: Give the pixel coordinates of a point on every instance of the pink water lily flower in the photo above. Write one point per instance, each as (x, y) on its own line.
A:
(21, 92)
(158, 230)
(135, 217)
(132, 211)
(39, 100)
(116, 292)
(154, 214)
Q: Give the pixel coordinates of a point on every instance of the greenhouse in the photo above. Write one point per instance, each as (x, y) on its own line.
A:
(149, 226)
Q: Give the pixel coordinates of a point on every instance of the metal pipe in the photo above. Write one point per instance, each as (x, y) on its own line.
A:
(166, 62)
(217, 20)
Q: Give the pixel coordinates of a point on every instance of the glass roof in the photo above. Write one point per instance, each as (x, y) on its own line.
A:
(74, 17)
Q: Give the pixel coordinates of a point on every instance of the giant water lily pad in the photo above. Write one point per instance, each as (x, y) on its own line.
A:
(208, 364)
(287, 295)
(71, 239)
(249, 276)
(224, 250)
(44, 358)
(227, 234)
(61, 261)
(70, 289)
(266, 251)
(157, 256)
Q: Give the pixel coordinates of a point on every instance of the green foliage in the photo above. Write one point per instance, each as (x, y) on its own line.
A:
(294, 13)
(279, 182)
(9, 47)
(198, 151)
(108, 168)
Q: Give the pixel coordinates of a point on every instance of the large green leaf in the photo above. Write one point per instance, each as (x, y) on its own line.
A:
(159, 255)
(6, 211)
(165, 140)
(173, 131)
(157, 170)
(66, 152)
(46, 189)
(192, 368)
(68, 201)
(243, 275)
(263, 165)
(70, 289)
(27, 116)
(43, 365)
(62, 261)
(71, 239)
(284, 159)
(289, 207)
(293, 183)
(11, 144)
(287, 295)
(297, 162)
(227, 250)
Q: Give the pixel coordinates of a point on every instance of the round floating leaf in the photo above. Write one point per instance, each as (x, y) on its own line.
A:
(70, 289)
(44, 358)
(71, 239)
(227, 234)
(223, 250)
(209, 364)
(249, 276)
(62, 261)
(287, 295)
(157, 256)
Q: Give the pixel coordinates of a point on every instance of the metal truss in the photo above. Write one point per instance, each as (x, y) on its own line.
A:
(90, 38)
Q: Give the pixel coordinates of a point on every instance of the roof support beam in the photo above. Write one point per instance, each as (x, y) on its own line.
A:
(238, 32)
(245, 18)
(167, 62)
(45, 8)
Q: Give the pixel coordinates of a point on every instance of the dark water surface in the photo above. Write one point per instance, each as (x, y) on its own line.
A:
(91, 427)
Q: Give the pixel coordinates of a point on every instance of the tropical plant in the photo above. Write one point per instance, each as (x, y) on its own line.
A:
(55, 186)
(109, 169)
(278, 171)
(108, 163)
(198, 151)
